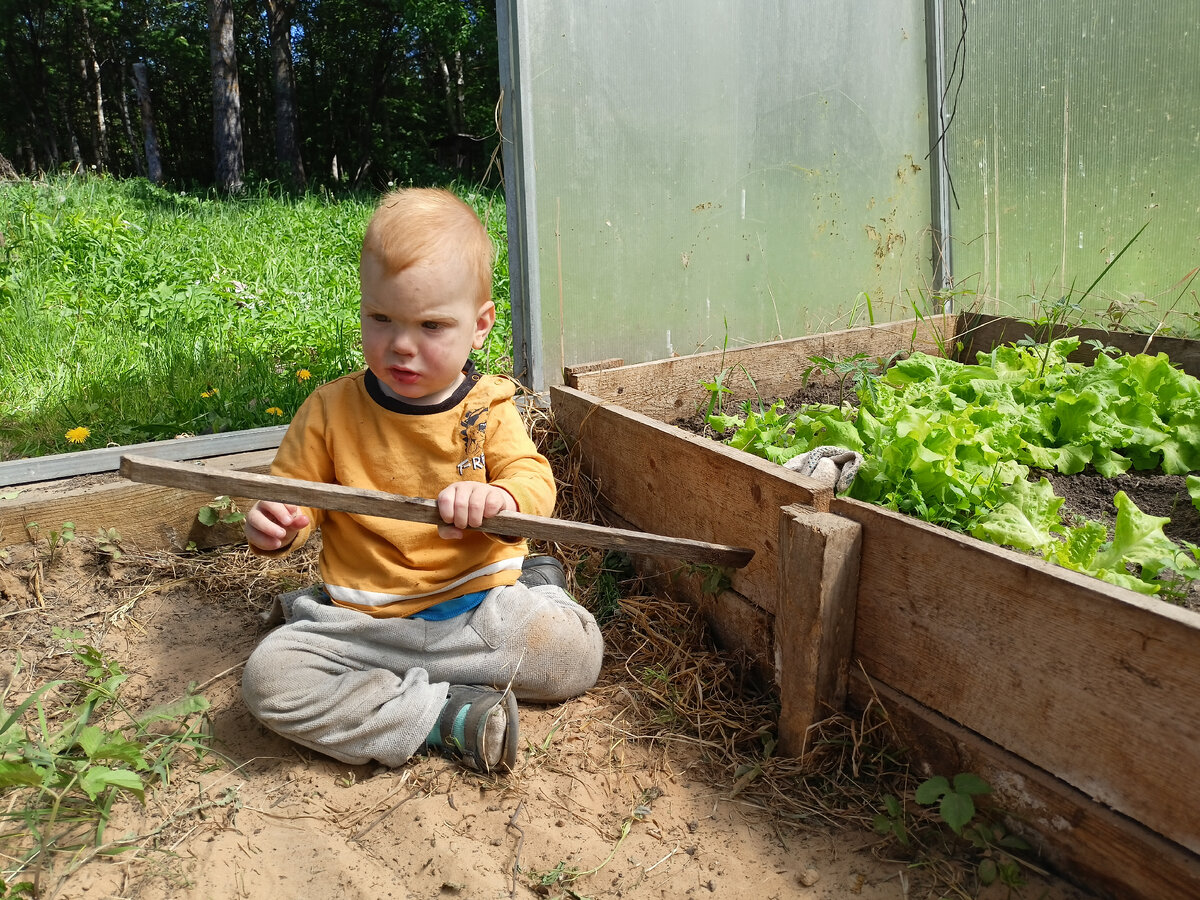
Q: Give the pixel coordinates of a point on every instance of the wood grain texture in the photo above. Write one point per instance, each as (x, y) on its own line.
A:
(150, 517)
(979, 332)
(665, 480)
(1092, 682)
(1111, 855)
(671, 389)
(418, 509)
(814, 623)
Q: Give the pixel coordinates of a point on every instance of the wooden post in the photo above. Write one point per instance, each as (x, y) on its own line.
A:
(814, 622)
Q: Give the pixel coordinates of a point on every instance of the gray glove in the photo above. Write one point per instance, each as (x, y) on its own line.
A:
(834, 466)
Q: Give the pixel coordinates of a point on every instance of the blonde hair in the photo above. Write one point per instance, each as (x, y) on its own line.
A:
(415, 225)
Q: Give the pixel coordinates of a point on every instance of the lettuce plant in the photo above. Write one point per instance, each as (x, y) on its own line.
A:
(953, 444)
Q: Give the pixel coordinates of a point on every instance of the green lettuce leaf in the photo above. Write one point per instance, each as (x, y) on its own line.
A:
(1027, 518)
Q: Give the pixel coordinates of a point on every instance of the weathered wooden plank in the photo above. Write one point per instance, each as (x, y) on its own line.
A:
(673, 388)
(1092, 682)
(665, 480)
(107, 459)
(146, 516)
(814, 627)
(1109, 854)
(362, 501)
(980, 333)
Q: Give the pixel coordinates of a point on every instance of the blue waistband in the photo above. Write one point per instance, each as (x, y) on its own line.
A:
(448, 609)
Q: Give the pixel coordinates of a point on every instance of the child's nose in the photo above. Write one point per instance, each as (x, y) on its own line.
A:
(403, 343)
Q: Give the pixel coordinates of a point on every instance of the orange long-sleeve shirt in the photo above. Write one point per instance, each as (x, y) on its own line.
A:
(349, 432)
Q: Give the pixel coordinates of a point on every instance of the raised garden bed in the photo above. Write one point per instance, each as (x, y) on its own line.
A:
(1078, 700)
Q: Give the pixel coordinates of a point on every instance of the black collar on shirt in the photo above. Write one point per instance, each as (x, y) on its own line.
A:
(375, 389)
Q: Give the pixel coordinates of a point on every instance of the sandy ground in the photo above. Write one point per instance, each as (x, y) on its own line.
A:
(606, 801)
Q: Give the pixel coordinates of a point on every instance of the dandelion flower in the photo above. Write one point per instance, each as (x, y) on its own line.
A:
(210, 393)
(78, 434)
(274, 411)
(303, 375)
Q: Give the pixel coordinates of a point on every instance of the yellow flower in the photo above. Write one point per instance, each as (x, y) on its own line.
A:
(210, 393)
(274, 411)
(79, 434)
(303, 375)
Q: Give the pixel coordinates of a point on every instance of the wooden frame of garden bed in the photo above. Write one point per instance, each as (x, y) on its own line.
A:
(1077, 700)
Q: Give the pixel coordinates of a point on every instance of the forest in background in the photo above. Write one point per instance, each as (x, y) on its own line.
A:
(352, 93)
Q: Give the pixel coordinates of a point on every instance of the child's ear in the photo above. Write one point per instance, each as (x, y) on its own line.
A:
(485, 319)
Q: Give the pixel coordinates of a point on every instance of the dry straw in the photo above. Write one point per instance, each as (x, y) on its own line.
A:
(665, 676)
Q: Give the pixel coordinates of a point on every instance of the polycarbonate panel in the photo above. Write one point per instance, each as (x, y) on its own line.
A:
(689, 175)
(1077, 123)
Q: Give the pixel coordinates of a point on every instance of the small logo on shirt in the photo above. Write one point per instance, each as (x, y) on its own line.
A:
(473, 425)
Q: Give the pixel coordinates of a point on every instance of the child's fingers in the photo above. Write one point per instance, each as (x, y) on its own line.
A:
(270, 525)
(465, 504)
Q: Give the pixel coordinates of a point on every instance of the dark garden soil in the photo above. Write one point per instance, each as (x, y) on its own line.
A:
(1086, 494)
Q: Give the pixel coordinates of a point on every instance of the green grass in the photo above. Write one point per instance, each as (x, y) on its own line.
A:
(140, 314)
(65, 763)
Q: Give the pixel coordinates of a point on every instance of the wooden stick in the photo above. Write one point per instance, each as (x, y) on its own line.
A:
(415, 509)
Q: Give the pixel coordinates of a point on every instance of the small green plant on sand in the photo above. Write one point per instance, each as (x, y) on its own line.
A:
(564, 876)
(108, 542)
(942, 804)
(56, 539)
(68, 752)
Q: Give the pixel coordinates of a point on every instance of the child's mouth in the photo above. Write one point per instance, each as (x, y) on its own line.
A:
(405, 376)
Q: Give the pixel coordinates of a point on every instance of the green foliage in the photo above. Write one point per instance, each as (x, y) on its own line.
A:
(956, 806)
(988, 844)
(858, 372)
(108, 542)
(379, 87)
(953, 444)
(136, 314)
(220, 511)
(72, 748)
(614, 570)
(56, 538)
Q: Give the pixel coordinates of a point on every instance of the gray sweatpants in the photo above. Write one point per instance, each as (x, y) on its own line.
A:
(359, 689)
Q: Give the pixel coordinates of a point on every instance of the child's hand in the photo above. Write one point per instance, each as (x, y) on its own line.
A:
(467, 503)
(270, 525)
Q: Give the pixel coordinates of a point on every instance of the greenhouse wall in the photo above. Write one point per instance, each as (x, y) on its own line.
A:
(1076, 126)
(693, 175)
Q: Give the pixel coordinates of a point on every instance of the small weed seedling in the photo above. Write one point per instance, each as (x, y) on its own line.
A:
(108, 542)
(992, 846)
(853, 371)
(564, 876)
(64, 764)
(57, 539)
(220, 511)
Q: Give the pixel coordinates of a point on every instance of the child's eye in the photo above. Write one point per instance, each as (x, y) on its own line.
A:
(434, 326)
(378, 317)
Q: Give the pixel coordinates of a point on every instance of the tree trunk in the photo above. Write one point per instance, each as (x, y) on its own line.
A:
(91, 79)
(139, 164)
(76, 153)
(287, 149)
(227, 103)
(154, 169)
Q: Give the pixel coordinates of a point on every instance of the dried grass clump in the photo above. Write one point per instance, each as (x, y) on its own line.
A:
(673, 685)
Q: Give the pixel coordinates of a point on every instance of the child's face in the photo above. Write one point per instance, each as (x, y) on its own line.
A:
(419, 327)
